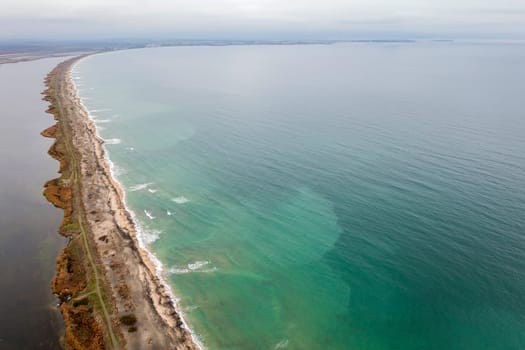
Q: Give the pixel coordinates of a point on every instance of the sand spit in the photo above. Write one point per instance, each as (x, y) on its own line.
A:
(110, 294)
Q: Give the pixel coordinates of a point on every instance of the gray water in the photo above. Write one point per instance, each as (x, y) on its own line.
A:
(29, 240)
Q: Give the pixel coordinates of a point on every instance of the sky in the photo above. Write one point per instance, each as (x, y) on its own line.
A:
(260, 19)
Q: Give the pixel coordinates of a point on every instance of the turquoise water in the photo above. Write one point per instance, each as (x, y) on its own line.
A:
(352, 196)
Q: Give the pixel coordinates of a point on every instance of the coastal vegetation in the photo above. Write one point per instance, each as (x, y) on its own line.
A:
(81, 303)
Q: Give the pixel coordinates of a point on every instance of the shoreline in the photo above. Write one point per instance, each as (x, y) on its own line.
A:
(107, 282)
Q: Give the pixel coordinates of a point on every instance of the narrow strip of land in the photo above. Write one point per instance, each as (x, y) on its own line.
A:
(111, 296)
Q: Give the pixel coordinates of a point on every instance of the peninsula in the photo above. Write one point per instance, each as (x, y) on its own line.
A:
(110, 292)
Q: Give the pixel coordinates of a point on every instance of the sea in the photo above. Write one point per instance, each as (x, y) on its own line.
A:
(344, 196)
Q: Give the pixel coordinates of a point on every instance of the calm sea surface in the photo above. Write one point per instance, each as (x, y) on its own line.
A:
(351, 196)
(29, 239)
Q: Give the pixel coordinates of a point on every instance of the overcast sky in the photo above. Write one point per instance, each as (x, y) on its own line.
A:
(85, 19)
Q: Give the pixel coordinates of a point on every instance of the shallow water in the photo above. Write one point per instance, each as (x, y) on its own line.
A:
(353, 196)
(29, 239)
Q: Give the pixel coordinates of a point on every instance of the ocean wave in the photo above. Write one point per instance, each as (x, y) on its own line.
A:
(131, 149)
(102, 121)
(117, 170)
(150, 236)
(152, 190)
(112, 141)
(283, 344)
(101, 110)
(140, 187)
(169, 213)
(149, 215)
(180, 200)
(190, 308)
(197, 266)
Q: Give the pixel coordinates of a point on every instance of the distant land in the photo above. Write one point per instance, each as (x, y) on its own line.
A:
(12, 51)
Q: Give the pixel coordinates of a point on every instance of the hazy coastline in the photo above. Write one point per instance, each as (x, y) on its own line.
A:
(262, 175)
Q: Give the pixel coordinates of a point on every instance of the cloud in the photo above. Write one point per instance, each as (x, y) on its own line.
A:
(111, 17)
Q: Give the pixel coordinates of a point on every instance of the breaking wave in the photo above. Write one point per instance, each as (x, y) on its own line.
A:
(150, 236)
(149, 215)
(197, 266)
(180, 200)
(112, 141)
(283, 344)
(140, 187)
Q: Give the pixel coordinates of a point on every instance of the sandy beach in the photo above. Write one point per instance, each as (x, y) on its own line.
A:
(110, 292)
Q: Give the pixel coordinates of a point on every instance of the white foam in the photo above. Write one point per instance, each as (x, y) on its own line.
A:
(131, 149)
(149, 215)
(178, 271)
(283, 344)
(183, 271)
(151, 236)
(192, 267)
(140, 187)
(169, 213)
(197, 265)
(101, 110)
(180, 200)
(190, 308)
(151, 190)
(112, 141)
(102, 121)
(116, 170)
